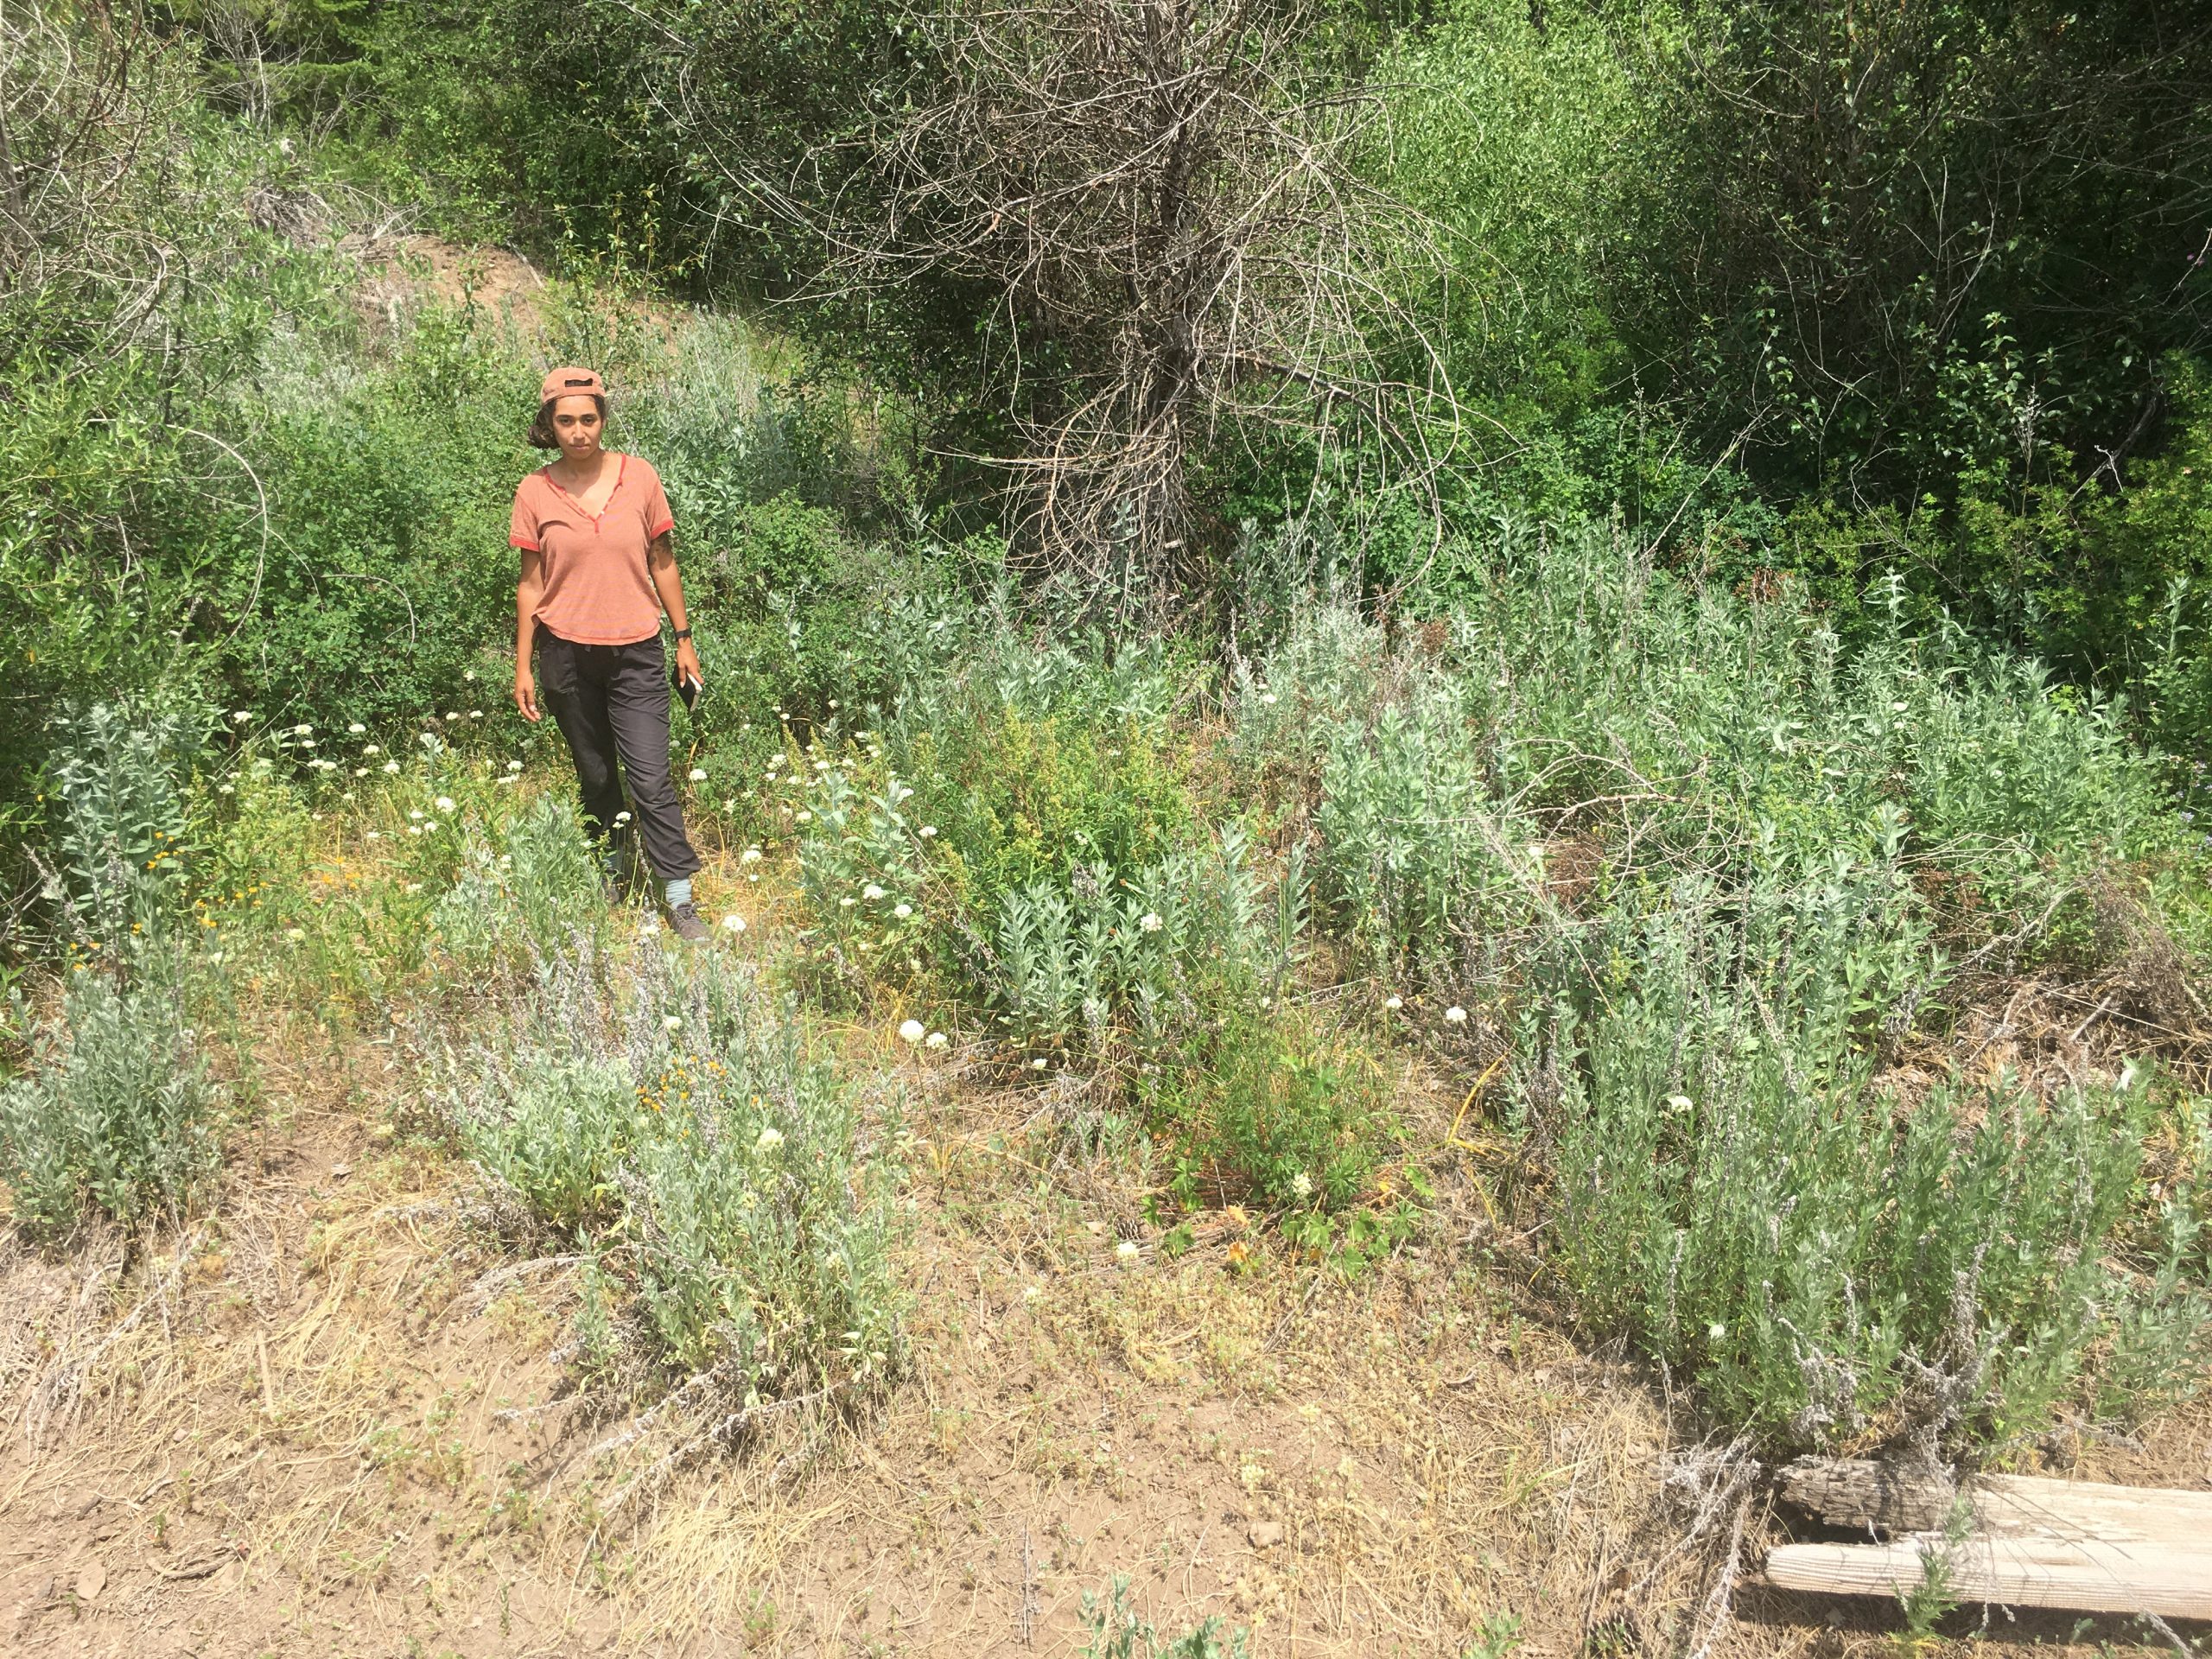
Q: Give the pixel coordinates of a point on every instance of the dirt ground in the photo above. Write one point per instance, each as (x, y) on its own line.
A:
(321, 1421)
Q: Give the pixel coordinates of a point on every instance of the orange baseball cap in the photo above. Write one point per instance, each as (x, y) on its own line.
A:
(571, 383)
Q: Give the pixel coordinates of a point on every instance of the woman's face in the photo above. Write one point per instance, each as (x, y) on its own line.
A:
(576, 424)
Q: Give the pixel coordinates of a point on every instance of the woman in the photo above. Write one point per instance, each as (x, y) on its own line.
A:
(598, 568)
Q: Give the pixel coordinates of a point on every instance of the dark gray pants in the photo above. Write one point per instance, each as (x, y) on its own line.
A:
(610, 702)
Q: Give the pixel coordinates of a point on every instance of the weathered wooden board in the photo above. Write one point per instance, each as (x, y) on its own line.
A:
(1855, 1494)
(2089, 1575)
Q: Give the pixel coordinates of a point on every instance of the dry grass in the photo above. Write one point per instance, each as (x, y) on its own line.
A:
(326, 1420)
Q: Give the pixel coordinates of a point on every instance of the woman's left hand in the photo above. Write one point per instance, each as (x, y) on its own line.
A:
(687, 663)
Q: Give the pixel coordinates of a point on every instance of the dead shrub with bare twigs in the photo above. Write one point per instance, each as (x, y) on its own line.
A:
(1149, 213)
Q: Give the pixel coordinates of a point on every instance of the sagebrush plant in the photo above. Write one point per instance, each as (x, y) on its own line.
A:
(118, 1113)
(524, 882)
(1731, 1188)
(1579, 695)
(666, 1114)
(1705, 870)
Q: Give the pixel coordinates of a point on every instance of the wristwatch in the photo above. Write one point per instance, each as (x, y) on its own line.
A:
(683, 634)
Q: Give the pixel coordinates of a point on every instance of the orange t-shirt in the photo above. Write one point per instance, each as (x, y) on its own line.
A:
(597, 590)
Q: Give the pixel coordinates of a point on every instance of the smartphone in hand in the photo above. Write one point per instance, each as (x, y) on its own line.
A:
(685, 687)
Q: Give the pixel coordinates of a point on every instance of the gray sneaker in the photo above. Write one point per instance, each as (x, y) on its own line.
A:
(686, 924)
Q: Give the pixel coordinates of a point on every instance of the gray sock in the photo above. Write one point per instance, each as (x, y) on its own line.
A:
(679, 892)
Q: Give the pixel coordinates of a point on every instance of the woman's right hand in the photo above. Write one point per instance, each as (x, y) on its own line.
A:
(525, 692)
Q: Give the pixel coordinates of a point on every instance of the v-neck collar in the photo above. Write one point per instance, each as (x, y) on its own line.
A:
(621, 471)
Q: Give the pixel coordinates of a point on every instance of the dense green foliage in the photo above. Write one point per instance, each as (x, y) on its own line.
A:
(1805, 645)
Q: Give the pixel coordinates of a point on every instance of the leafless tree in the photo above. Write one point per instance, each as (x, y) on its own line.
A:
(78, 262)
(1158, 203)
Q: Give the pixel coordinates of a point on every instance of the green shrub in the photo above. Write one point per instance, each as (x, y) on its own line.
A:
(1113, 1629)
(1032, 921)
(1734, 1190)
(671, 1117)
(122, 835)
(522, 883)
(1259, 1112)
(118, 1113)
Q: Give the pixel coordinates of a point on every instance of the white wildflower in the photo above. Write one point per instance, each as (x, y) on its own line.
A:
(750, 855)
(1301, 1185)
(356, 728)
(1455, 1015)
(902, 911)
(929, 831)
(935, 1039)
(1716, 1331)
(444, 803)
(514, 765)
(733, 923)
(768, 1140)
(1150, 921)
(1393, 1003)
(1126, 1250)
(911, 1031)
(241, 716)
(698, 774)
(671, 1022)
(301, 729)
(872, 891)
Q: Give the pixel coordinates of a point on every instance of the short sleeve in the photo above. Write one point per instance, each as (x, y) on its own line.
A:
(658, 519)
(522, 528)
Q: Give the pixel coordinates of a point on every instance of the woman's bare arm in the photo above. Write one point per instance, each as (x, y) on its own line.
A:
(528, 591)
(668, 583)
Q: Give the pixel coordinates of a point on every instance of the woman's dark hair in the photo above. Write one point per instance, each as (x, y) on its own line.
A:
(540, 435)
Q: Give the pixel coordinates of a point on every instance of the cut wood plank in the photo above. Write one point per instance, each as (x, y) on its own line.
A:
(2087, 1575)
(1857, 1494)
